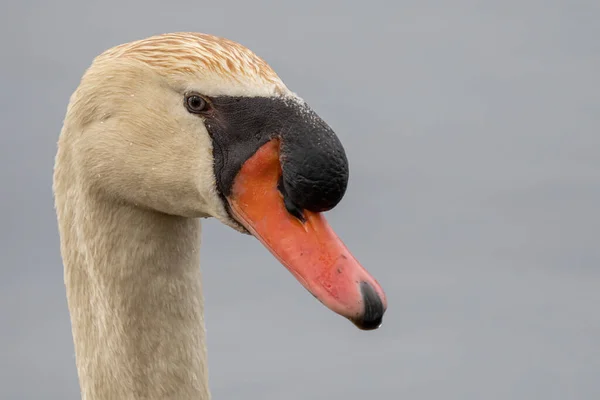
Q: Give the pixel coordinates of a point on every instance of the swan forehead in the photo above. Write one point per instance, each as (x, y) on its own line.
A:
(218, 66)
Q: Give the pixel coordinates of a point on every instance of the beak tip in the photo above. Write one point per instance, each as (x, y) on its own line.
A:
(374, 308)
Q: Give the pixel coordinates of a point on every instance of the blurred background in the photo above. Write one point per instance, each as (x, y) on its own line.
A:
(472, 130)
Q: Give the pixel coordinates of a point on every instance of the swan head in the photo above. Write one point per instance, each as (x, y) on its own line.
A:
(194, 125)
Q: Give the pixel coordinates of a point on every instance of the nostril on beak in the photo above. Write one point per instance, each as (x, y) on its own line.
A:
(374, 309)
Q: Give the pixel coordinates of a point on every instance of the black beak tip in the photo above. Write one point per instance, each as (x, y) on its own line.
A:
(373, 312)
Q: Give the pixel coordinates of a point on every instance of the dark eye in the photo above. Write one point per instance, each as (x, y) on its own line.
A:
(195, 104)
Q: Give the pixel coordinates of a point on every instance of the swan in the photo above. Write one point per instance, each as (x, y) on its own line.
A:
(162, 132)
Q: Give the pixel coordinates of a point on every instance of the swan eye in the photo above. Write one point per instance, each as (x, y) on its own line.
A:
(195, 104)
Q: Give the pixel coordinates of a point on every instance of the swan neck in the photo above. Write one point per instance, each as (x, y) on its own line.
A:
(134, 293)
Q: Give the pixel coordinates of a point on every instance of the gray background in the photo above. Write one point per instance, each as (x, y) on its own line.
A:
(472, 132)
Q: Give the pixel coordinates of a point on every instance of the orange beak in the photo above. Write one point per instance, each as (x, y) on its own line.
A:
(309, 249)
